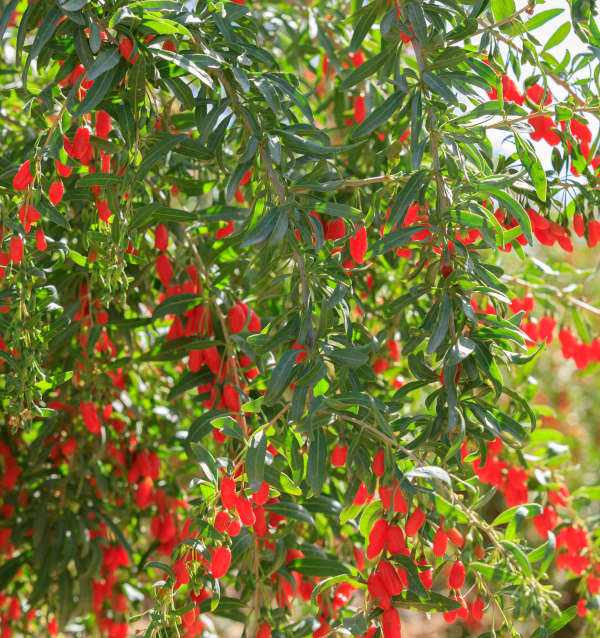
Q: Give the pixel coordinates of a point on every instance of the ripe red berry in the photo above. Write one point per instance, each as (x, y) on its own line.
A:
(390, 623)
(62, 169)
(103, 124)
(414, 522)
(379, 463)
(477, 609)
(244, 509)
(455, 537)
(338, 455)
(390, 578)
(261, 496)
(358, 245)
(81, 141)
(221, 521)
(378, 591)
(40, 240)
(264, 631)
(440, 542)
(457, 575)
(377, 538)
(90, 416)
(234, 528)
(400, 503)
(228, 495)
(56, 192)
(237, 318)
(220, 562)
(23, 177)
(394, 540)
(164, 269)
(16, 249)
(161, 237)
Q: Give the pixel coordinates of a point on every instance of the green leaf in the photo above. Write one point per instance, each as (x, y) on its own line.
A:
(320, 567)
(177, 304)
(104, 62)
(440, 328)
(186, 64)
(558, 36)
(351, 357)
(552, 626)
(291, 510)
(44, 32)
(437, 85)
(8, 570)
(417, 19)
(95, 94)
(532, 509)
(520, 557)
(364, 70)
(255, 459)
(280, 377)
(317, 462)
(459, 351)
(380, 115)
(205, 461)
(157, 152)
(512, 206)
(405, 198)
(541, 18)
(503, 9)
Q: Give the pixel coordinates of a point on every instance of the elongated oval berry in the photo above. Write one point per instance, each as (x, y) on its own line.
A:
(228, 495)
(164, 269)
(390, 578)
(261, 496)
(358, 245)
(220, 562)
(360, 110)
(56, 192)
(390, 623)
(477, 609)
(400, 503)
(440, 542)
(236, 318)
(377, 538)
(457, 575)
(196, 360)
(81, 141)
(378, 591)
(244, 509)
(62, 169)
(234, 528)
(379, 463)
(161, 237)
(90, 416)
(394, 540)
(414, 522)
(338, 455)
(103, 124)
(455, 537)
(16, 249)
(264, 631)
(23, 177)
(40, 240)
(221, 521)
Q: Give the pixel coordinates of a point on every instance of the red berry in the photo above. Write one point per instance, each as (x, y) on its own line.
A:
(40, 240)
(377, 538)
(379, 463)
(440, 542)
(358, 245)
(414, 522)
(221, 521)
(390, 623)
(16, 249)
(56, 192)
(126, 48)
(457, 575)
(23, 177)
(390, 578)
(220, 562)
(228, 495)
(161, 237)
(338, 455)
(394, 540)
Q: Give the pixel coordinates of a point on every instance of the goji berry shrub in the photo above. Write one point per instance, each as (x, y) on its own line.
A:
(265, 355)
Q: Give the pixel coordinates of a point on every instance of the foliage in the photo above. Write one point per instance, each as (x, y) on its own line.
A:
(269, 331)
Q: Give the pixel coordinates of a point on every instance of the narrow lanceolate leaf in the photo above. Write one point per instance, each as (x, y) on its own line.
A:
(104, 62)
(440, 327)
(405, 198)
(96, 93)
(512, 206)
(380, 115)
(317, 462)
(503, 9)
(177, 304)
(255, 459)
(280, 377)
(186, 64)
(157, 152)
(44, 33)
(364, 70)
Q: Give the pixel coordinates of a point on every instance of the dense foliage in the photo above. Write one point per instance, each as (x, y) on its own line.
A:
(277, 279)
